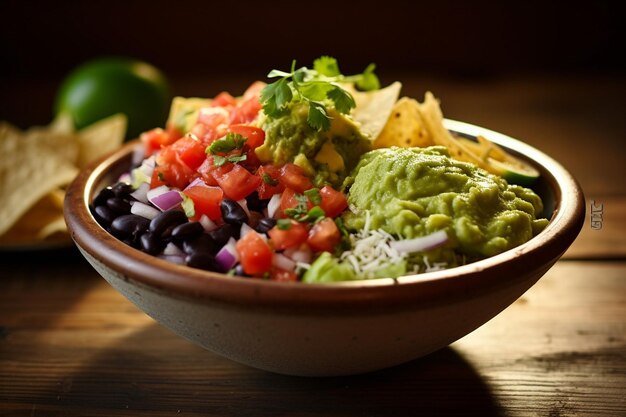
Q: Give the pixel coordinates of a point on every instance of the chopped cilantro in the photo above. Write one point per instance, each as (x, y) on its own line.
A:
(267, 179)
(283, 224)
(314, 214)
(228, 143)
(218, 160)
(314, 196)
(301, 211)
(316, 87)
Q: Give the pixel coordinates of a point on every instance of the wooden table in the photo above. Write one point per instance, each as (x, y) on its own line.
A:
(70, 345)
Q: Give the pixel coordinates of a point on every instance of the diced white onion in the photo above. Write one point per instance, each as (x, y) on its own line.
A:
(273, 205)
(177, 259)
(244, 205)
(245, 229)
(299, 255)
(141, 193)
(281, 261)
(421, 244)
(208, 224)
(144, 210)
(172, 250)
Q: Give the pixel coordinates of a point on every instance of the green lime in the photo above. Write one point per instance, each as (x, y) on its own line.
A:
(515, 171)
(106, 86)
(512, 169)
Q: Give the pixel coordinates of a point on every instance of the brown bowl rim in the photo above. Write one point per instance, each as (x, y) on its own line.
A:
(527, 261)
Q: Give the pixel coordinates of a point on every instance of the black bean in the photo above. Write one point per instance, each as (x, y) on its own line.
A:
(265, 224)
(104, 215)
(232, 212)
(187, 230)
(103, 196)
(129, 226)
(201, 244)
(122, 190)
(255, 203)
(150, 243)
(167, 219)
(225, 232)
(118, 205)
(202, 261)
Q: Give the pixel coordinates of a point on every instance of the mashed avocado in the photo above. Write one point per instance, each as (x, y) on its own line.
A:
(411, 192)
(327, 156)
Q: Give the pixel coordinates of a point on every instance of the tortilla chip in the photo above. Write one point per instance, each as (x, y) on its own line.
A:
(184, 112)
(40, 162)
(31, 165)
(405, 127)
(101, 138)
(433, 121)
(42, 221)
(374, 107)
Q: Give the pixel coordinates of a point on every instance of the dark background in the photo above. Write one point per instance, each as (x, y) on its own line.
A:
(197, 43)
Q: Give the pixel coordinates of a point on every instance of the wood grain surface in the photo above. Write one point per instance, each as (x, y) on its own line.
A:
(70, 345)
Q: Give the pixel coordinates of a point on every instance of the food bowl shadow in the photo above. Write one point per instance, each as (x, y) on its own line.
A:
(177, 377)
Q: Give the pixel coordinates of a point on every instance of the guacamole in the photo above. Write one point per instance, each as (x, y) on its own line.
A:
(327, 156)
(411, 192)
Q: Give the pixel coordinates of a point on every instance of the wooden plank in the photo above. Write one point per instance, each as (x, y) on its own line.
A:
(559, 351)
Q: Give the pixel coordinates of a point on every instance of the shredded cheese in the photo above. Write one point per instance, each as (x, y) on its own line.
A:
(371, 251)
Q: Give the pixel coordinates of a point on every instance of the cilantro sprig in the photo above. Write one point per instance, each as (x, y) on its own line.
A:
(318, 87)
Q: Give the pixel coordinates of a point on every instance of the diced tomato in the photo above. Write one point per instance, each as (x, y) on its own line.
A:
(270, 185)
(174, 174)
(212, 117)
(224, 99)
(158, 178)
(255, 136)
(289, 200)
(255, 254)
(237, 183)
(246, 111)
(249, 106)
(171, 169)
(333, 202)
(324, 235)
(206, 171)
(295, 235)
(292, 176)
(278, 274)
(206, 200)
(254, 90)
(191, 151)
(155, 139)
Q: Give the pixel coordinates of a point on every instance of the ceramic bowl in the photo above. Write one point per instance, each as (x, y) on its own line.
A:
(327, 329)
